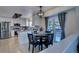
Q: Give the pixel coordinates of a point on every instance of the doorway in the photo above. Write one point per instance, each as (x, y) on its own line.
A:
(17, 27)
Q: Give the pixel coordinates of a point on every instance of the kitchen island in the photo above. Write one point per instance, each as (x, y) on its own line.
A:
(23, 37)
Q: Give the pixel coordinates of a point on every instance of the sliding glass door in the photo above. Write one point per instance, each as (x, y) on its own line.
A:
(57, 30)
(54, 26)
(50, 26)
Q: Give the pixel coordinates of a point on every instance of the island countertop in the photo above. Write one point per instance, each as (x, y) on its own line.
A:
(23, 37)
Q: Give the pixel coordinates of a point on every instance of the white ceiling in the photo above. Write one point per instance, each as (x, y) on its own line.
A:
(26, 11)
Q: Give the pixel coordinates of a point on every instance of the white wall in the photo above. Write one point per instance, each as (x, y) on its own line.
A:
(42, 24)
(57, 10)
(77, 17)
(36, 20)
(71, 22)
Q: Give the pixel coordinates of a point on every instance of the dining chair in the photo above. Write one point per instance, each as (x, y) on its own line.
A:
(45, 41)
(33, 42)
(50, 38)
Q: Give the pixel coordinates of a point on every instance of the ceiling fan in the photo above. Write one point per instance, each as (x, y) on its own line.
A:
(16, 15)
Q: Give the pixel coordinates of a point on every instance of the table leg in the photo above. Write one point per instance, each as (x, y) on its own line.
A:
(41, 47)
(41, 43)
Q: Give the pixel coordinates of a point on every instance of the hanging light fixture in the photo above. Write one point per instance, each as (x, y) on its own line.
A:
(40, 13)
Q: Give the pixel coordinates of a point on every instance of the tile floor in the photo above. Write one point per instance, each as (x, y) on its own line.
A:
(12, 45)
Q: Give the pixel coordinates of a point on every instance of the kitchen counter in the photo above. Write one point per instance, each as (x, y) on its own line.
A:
(22, 36)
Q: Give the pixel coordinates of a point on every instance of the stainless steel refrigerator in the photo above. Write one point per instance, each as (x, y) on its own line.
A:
(4, 30)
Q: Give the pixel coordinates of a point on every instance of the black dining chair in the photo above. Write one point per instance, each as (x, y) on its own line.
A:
(47, 40)
(33, 42)
(44, 41)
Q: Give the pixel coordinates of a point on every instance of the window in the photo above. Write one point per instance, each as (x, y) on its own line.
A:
(54, 26)
(57, 30)
(50, 25)
(29, 23)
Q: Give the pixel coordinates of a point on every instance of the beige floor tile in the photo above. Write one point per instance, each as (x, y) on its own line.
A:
(12, 45)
